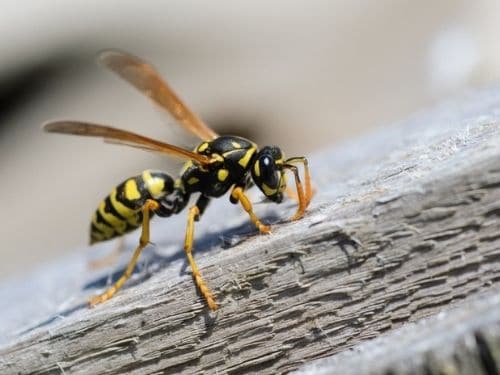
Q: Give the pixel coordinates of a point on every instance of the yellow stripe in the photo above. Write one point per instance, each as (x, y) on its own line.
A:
(222, 174)
(246, 158)
(227, 153)
(106, 230)
(154, 185)
(267, 190)
(118, 224)
(235, 144)
(123, 210)
(256, 168)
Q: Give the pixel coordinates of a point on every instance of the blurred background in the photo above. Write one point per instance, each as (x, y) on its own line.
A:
(301, 74)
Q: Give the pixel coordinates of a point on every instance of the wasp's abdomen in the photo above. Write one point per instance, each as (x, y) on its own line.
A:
(120, 212)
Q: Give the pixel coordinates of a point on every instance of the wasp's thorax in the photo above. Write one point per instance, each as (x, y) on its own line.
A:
(268, 174)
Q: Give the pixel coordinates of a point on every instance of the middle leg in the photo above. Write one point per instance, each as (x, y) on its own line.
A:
(194, 215)
(300, 193)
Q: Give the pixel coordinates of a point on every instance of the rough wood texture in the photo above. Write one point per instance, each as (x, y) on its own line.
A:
(462, 341)
(405, 224)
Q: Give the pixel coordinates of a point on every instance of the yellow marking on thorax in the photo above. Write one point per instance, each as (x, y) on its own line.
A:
(235, 144)
(218, 157)
(131, 190)
(203, 147)
(118, 224)
(154, 185)
(186, 166)
(193, 180)
(227, 153)
(222, 174)
(246, 158)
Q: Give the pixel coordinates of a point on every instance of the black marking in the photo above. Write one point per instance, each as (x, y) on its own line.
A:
(109, 208)
(94, 229)
(228, 152)
(122, 198)
(101, 220)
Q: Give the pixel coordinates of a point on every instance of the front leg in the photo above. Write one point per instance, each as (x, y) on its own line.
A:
(304, 197)
(309, 192)
(300, 193)
(237, 195)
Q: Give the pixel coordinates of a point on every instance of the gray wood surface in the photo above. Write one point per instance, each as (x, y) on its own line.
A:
(405, 224)
(465, 340)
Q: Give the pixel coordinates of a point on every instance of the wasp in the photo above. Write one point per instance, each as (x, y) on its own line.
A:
(220, 163)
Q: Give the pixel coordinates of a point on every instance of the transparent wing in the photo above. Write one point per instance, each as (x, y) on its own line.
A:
(119, 136)
(146, 79)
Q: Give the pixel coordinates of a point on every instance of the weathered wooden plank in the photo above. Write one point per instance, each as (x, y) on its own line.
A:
(404, 225)
(465, 340)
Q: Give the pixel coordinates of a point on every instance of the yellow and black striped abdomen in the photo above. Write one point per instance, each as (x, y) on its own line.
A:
(120, 212)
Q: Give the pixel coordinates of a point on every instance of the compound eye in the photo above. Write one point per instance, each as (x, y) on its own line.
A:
(268, 171)
(266, 167)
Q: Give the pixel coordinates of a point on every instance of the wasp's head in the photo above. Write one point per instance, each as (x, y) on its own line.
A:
(268, 173)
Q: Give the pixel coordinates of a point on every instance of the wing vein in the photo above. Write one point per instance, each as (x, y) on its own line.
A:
(147, 80)
(124, 137)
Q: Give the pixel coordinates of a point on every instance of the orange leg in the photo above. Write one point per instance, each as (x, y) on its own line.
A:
(194, 213)
(150, 205)
(292, 194)
(300, 193)
(240, 196)
(309, 190)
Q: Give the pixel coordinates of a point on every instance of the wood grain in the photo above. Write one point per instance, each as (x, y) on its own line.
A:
(405, 225)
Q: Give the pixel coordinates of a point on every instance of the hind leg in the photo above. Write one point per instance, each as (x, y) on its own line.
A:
(149, 206)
